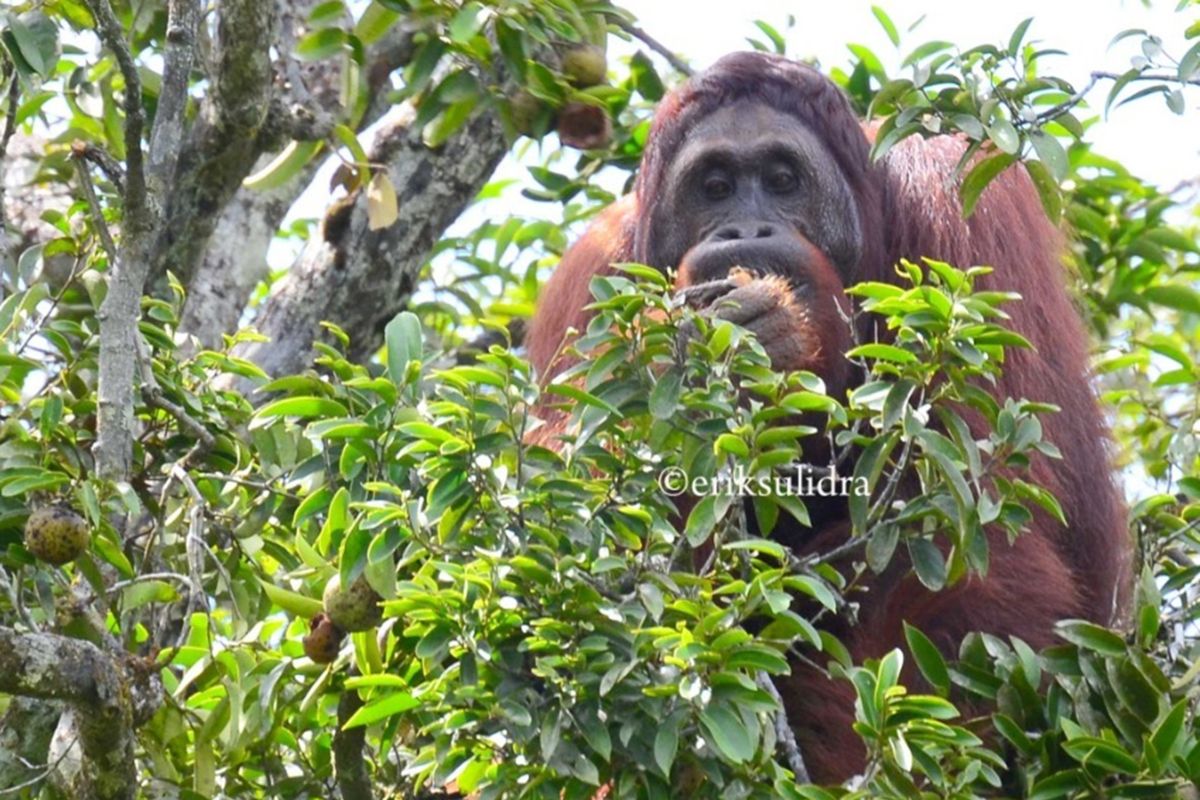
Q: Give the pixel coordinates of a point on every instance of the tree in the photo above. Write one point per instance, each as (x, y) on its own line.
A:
(545, 630)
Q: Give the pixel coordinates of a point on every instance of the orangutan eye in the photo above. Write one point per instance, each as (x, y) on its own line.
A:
(717, 187)
(781, 180)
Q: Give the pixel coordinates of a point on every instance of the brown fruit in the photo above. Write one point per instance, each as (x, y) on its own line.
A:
(354, 609)
(585, 65)
(324, 640)
(56, 534)
(584, 126)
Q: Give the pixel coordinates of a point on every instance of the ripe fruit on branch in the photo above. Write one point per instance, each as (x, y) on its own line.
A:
(353, 609)
(584, 126)
(323, 641)
(56, 535)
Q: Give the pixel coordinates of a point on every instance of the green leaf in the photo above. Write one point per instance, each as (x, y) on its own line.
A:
(928, 562)
(405, 343)
(1182, 298)
(382, 708)
(292, 602)
(725, 729)
(929, 659)
(664, 397)
(1051, 153)
(466, 23)
(1018, 36)
(321, 44)
(1005, 136)
(1047, 189)
(302, 407)
(666, 745)
(979, 177)
(886, 23)
(1090, 636)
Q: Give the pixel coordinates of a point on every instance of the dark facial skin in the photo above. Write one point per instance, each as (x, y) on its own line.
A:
(752, 187)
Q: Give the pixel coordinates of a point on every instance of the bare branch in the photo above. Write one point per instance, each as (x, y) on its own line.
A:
(349, 763)
(783, 732)
(113, 36)
(54, 667)
(167, 137)
(675, 61)
(359, 278)
(1071, 102)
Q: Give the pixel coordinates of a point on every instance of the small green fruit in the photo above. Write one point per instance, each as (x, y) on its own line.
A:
(585, 65)
(527, 112)
(354, 609)
(56, 535)
(324, 640)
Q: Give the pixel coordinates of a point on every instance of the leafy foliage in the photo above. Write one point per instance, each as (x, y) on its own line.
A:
(559, 620)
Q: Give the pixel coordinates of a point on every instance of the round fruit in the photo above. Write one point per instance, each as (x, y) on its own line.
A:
(56, 534)
(527, 112)
(585, 65)
(584, 126)
(323, 641)
(354, 609)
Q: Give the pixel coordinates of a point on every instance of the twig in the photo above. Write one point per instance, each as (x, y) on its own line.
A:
(43, 774)
(89, 194)
(783, 731)
(111, 168)
(112, 34)
(1055, 111)
(149, 576)
(675, 61)
(153, 395)
(10, 128)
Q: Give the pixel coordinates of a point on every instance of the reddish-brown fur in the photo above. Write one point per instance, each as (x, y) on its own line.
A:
(908, 210)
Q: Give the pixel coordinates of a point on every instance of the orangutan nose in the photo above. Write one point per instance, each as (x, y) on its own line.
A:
(744, 231)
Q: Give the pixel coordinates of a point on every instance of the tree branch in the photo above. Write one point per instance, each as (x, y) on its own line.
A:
(10, 128)
(675, 61)
(226, 139)
(113, 36)
(783, 732)
(349, 764)
(359, 278)
(235, 257)
(53, 667)
(167, 137)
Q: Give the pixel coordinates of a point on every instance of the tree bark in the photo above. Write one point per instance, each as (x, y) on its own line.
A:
(235, 258)
(359, 278)
(53, 667)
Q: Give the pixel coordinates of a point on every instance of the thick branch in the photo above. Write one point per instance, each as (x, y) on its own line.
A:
(235, 257)
(54, 667)
(167, 136)
(225, 140)
(359, 278)
(349, 764)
